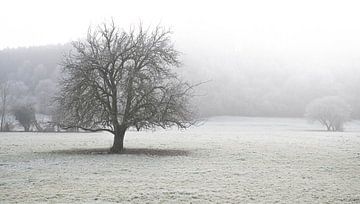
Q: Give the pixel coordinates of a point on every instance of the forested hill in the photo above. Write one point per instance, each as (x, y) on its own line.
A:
(242, 83)
(30, 65)
(32, 74)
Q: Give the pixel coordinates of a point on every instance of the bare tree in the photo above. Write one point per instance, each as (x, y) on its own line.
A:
(115, 80)
(330, 111)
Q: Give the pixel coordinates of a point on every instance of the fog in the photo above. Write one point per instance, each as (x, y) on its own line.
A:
(244, 101)
(259, 58)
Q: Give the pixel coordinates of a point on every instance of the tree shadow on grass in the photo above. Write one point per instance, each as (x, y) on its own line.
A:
(127, 151)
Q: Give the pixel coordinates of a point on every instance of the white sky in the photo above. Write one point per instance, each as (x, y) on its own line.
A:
(285, 28)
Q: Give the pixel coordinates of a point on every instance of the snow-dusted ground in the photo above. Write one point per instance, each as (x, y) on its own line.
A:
(227, 160)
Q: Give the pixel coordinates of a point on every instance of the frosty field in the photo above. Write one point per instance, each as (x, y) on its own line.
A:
(226, 160)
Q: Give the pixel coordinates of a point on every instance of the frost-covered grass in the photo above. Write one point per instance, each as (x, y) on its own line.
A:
(235, 160)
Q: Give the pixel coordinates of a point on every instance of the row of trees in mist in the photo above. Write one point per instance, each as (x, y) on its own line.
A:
(271, 90)
(28, 82)
(237, 85)
(30, 75)
(18, 105)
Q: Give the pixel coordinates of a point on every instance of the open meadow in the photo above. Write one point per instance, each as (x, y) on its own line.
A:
(225, 160)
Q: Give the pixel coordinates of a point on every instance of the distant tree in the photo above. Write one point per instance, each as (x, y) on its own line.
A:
(330, 111)
(12, 93)
(25, 115)
(115, 80)
(4, 91)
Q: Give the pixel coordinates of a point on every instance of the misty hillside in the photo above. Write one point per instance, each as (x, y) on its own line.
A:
(32, 74)
(237, 83)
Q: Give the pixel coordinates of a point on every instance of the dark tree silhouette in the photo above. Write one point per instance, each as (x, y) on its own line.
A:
(25, 115)
(115, 80)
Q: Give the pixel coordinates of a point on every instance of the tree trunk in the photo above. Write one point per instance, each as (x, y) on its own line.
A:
(328, 126)
(3, 111)
(26, 128)
(118, 145)
(2, 122)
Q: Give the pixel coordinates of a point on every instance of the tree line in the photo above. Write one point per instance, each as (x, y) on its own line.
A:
(29, 78)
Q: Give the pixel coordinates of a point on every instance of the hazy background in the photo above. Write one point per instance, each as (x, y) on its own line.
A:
(262, 58)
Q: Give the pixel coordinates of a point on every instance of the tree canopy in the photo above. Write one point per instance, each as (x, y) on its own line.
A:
(118, 79)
